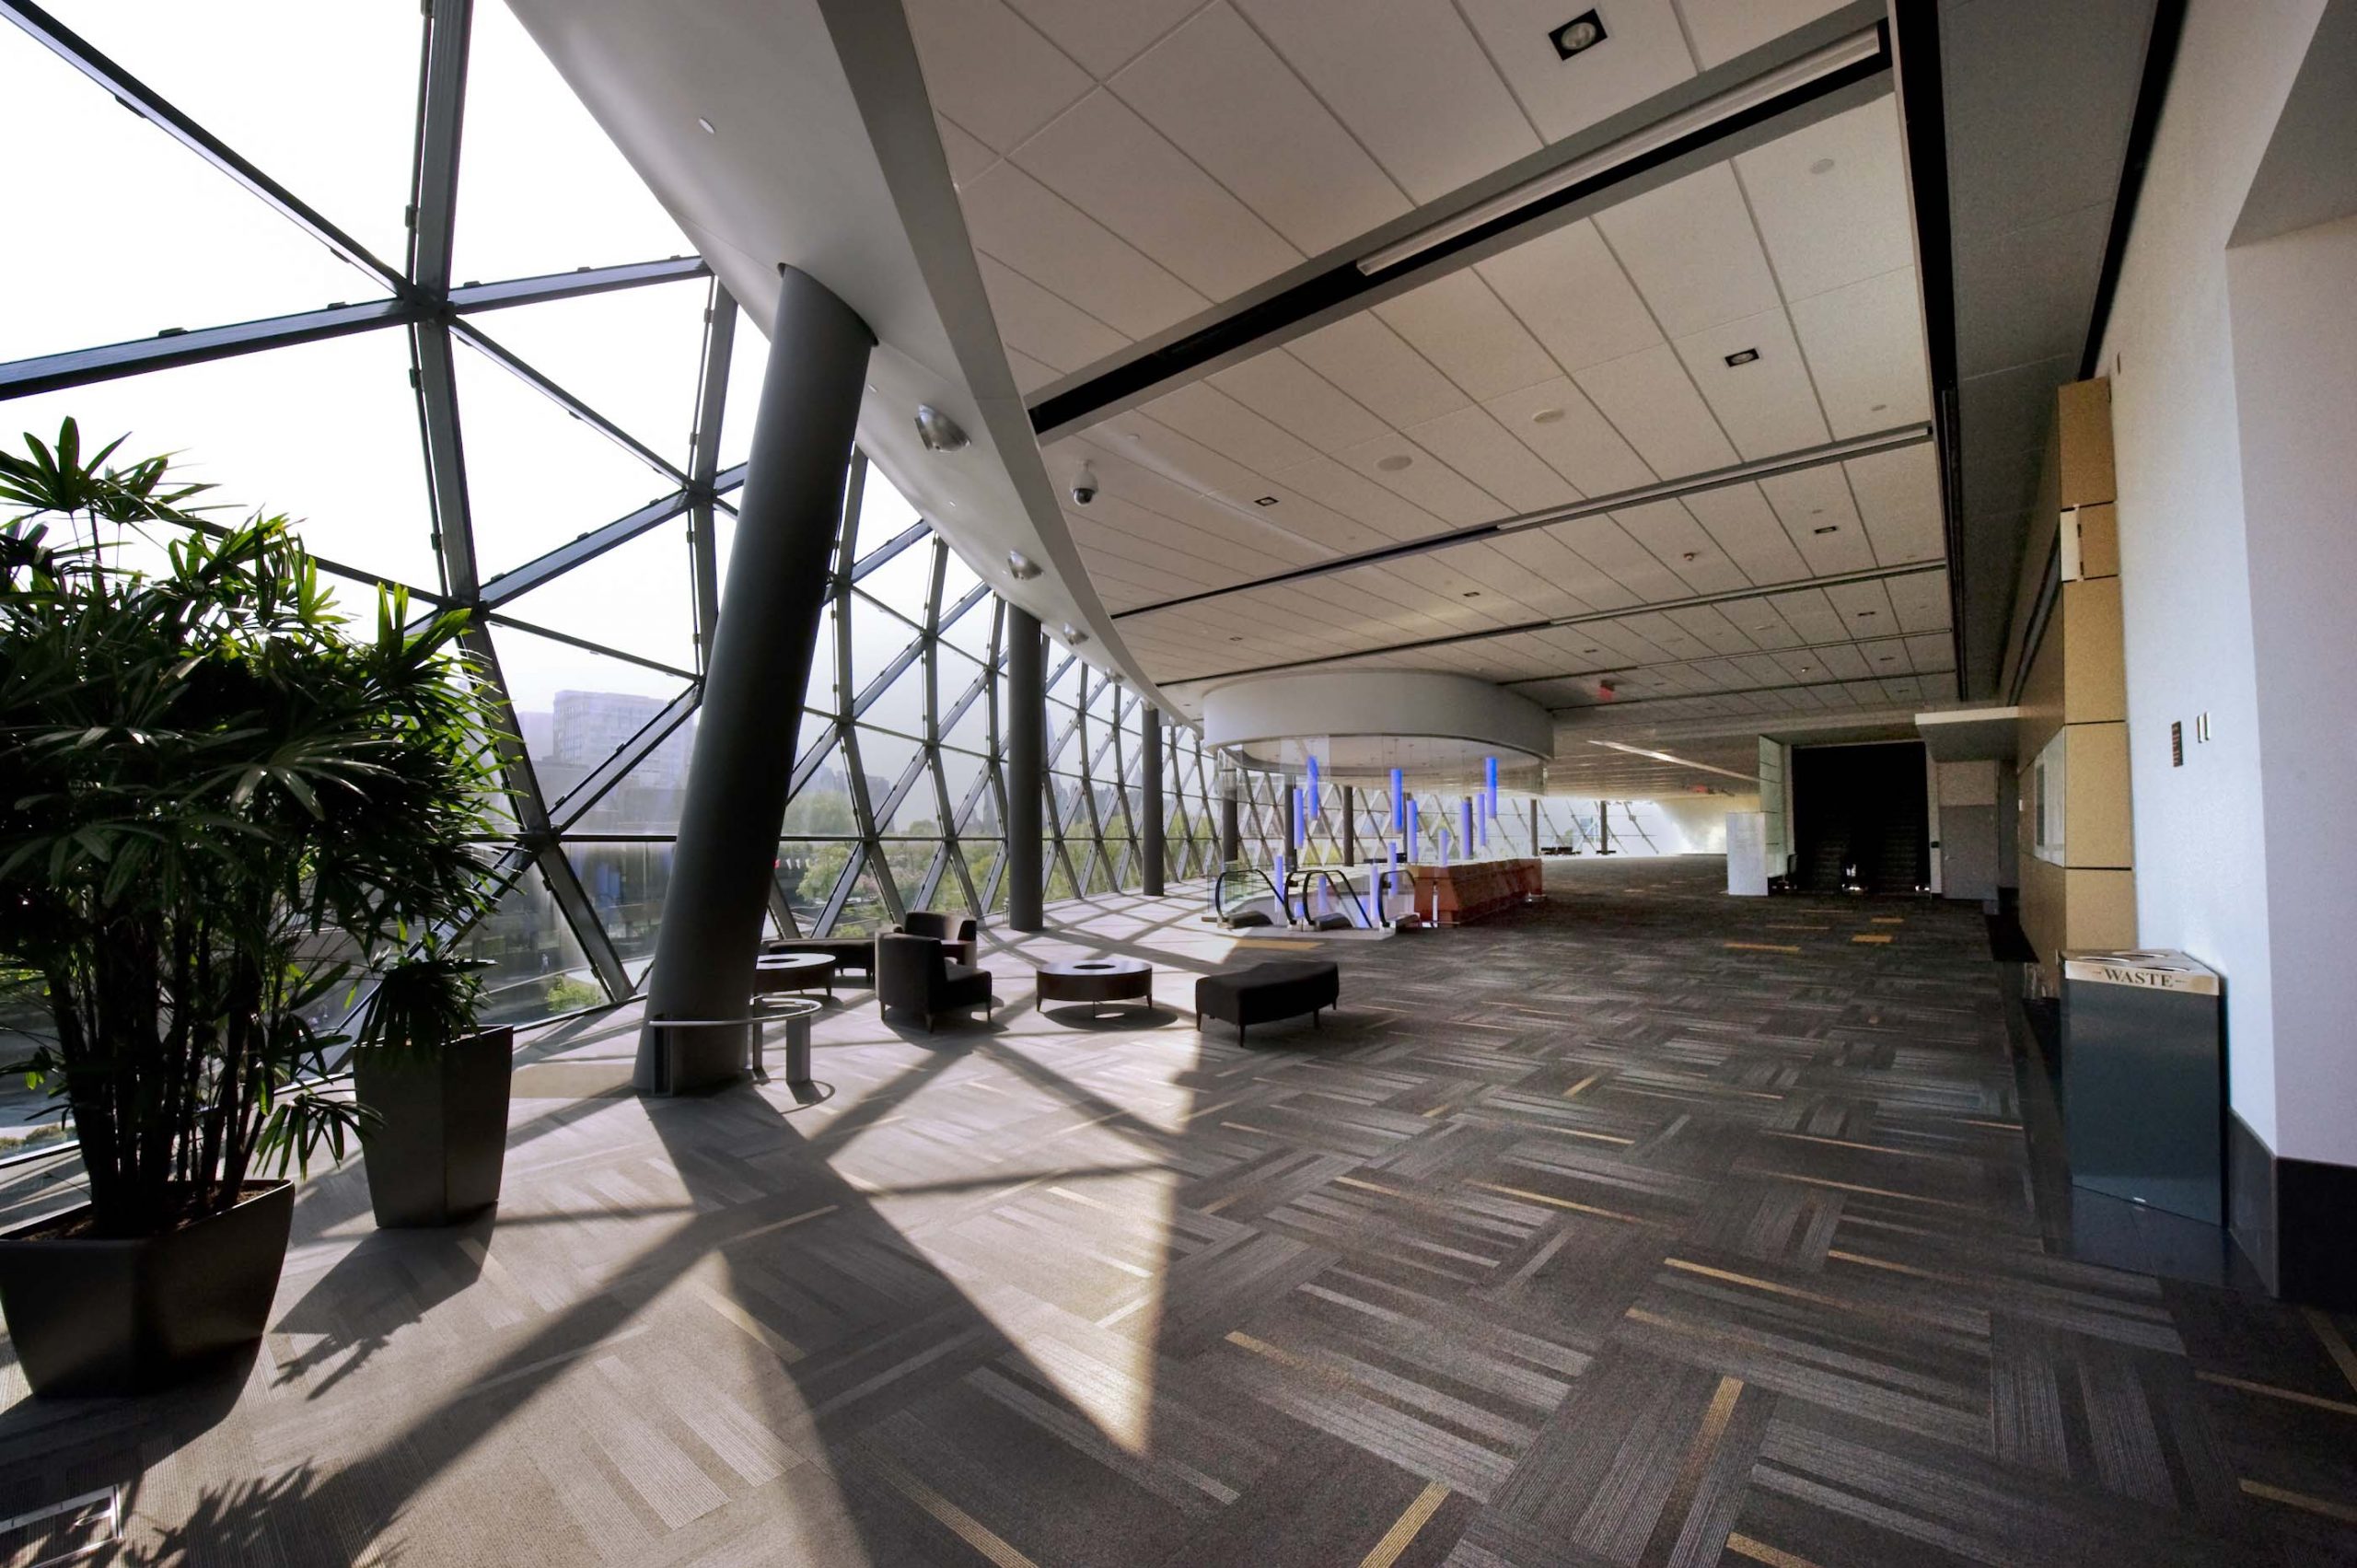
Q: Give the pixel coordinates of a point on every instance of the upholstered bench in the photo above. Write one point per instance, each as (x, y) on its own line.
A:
(1279, 989)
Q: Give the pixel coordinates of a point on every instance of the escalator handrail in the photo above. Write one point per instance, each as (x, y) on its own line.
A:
(1333, 877)
(1219, 891)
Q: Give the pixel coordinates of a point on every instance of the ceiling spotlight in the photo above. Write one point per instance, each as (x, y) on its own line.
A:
(938, 431)
(707, 126)
(1742, 356)
(1878, 408)
(1472, 593)
(1828, 527)
(1265, 501)
(1865, 615)
(1021, 567)
(1577, 36)
(1690, 555)
(1074, 634)
(1822, 166)
(1394, 463)
(1547, 416)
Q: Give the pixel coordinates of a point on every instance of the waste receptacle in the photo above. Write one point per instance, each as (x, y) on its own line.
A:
(2144, 1079)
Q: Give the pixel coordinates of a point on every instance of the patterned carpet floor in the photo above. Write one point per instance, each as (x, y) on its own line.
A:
(1642, 1227)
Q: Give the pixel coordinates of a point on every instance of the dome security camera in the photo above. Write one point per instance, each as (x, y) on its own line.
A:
(1084, 486)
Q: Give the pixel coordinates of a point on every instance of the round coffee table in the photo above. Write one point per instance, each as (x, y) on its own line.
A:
(1097, 980)
(773, 972)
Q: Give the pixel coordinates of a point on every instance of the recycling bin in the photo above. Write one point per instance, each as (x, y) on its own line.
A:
(2144, 1079)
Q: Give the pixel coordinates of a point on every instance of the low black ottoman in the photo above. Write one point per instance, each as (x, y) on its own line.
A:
(1280, 989)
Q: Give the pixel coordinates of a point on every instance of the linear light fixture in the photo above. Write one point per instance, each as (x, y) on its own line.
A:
(1637, 144)
(1681, 761)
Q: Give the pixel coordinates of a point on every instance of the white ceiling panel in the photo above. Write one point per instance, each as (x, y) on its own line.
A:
(1457, 324)
(1865, 345)
(1407, 471)
(1899, 497)
(1105, 35)
(1112, 165)
(1931, 652)
(1304, 518)
(1692, 251)
(1766, 406)
(1643, 53)
(1544, 556)
(1472, 442)
(1610, 546)
(1205, 413)
(1724, 29)
(1219, 92)
(968, 157)
(1831, 200)
(1330, 483)
(1670, 532)
(991, 71)
(1046, 326)
(1030, 375)
(1555, 420)
(1651, 402)
(1820, 498)
(1745, 528)
(1864, 608)
(1292, 396)
(1014, 219)
(1810, 613)
(1572, 294)
(1921, 602)
(1373, 364)
(1409, 80)
(1180, 459)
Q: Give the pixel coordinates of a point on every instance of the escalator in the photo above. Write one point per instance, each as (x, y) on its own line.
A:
(1243, 897)
(1325, 900)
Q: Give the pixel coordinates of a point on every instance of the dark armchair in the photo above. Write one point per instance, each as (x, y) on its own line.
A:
(913, 973)
(953, 932)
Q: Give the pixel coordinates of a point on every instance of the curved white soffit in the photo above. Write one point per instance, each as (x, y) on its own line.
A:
(1333, 703)
(824, 155)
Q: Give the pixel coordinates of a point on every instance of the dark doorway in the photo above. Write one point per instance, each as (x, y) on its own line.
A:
(1858, 817)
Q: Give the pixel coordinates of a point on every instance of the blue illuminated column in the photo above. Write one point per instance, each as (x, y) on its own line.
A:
(1313, 775)
(1398, 801)
(1465, 815)
(1415, 844)
(1300, 818)
(1489, 782)
(1389, 881)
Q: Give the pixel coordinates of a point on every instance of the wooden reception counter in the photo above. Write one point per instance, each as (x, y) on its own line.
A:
(1474, 889)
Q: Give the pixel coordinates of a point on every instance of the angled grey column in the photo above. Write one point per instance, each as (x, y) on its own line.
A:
(1231, 826)
(1349, 828)
(1150, 786)
(1027, 761)
(741, 767)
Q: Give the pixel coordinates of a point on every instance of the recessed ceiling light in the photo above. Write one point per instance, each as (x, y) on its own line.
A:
(1547, 416)
(1878, 408)
(1865, 615)
(1822, 166)
(1829, 527)
(1472, 593)
(707, 126)
(1264, 501)
(1687, 556)
(1021, 567)
(1884, 659)
(1394, 463)
(1577, 36)
(1742, 356)
(938, 431)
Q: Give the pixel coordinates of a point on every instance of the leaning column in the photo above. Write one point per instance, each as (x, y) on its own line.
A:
(741, 767)
(1150, 786)
(1026, 761)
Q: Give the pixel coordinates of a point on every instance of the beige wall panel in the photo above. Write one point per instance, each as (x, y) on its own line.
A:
(2041, 700)
(2103, 908)
(2097, 827)
(2095, 676)
(2082, 412)
(2100, 541)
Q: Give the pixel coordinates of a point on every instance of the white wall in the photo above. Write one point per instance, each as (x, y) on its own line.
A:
(2294, 316)
(2185, 570)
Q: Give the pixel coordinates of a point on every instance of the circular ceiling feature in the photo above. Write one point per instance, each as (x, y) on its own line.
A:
(1361, 723)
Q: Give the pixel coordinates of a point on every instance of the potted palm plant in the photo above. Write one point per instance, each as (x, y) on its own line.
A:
(221, 806)
(433, 1090)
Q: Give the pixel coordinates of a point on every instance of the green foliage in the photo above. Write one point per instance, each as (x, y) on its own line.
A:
(421, 1001)
(221, 806)
(567, 994)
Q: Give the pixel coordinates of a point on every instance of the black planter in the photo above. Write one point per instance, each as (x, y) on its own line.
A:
(435, 1158)
(108, 1316)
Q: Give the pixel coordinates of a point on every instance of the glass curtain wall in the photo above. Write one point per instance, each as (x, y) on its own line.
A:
(505, 380)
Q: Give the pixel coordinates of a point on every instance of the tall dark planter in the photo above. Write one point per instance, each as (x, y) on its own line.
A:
(127, 1316)
(435, 1156)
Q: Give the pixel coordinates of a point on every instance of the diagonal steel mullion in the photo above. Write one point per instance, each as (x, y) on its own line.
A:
(82, 366)
(673, 670)
(507, 360)
(467, 299)
(885, 552)
(160, 112)
(518, 581)
(584, 797)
